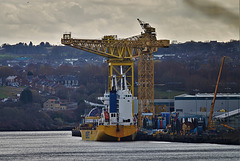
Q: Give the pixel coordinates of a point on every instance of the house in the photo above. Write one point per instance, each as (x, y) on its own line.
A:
(69, 81)
(45, 84)
(52, 88)
(14, 81)
(54, 104)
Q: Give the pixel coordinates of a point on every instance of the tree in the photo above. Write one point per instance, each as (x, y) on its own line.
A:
(46, 69)
(47, 44)
(26, 96)
(6, 71)
(36, 97)
(42, 44)
(30, 44)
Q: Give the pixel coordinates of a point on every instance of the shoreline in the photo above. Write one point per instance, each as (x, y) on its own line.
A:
(224, 138)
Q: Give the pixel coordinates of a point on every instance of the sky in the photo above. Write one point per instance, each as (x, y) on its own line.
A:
(180, 20)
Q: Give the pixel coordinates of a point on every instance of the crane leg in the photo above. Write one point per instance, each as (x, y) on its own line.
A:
(145, 86)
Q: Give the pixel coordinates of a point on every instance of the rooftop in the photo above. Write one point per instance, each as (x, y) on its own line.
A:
(210, 95)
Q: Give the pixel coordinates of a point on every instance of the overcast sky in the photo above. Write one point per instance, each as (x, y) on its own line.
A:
(181, 20)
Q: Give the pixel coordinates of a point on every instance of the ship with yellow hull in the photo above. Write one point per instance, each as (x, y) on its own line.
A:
(114, 119)
(110, 133)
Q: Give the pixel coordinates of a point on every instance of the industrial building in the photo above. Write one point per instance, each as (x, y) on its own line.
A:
(200, 104)
(161, 105)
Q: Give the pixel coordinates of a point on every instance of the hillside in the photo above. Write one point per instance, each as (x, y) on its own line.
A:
(183, 68)
(194, 54)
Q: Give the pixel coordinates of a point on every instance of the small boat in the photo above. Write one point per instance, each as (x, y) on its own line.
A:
(76, 132)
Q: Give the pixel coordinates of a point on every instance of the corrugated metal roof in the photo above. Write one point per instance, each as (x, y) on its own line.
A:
(210, 95)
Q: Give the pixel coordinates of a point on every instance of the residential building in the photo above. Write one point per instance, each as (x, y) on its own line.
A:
(69, 81)
(54, 104)
(14, 81)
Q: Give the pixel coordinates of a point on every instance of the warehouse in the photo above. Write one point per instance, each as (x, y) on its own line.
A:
(200, 104)
(161, 105)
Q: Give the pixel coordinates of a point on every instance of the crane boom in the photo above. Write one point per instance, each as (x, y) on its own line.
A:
(114, 48)
(215, 94)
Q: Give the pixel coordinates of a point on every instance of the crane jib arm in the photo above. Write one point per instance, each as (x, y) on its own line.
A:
(116, 48)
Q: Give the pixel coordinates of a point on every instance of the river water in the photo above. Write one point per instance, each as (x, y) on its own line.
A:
(60, 145)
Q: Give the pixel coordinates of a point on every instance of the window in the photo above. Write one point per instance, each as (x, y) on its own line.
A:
(179, 110)
(113, 115)
(128, 120)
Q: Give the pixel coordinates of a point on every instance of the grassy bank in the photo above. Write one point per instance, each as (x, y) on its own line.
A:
(8, 91)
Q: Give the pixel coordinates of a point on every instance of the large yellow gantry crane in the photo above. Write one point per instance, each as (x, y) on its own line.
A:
(121, 54)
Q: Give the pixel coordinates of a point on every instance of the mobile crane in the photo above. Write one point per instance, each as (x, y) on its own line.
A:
(210, 126)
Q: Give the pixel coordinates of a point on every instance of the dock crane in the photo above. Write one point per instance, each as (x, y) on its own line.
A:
(121, 54)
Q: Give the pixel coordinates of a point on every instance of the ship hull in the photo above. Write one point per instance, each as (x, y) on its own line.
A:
(110, 133)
